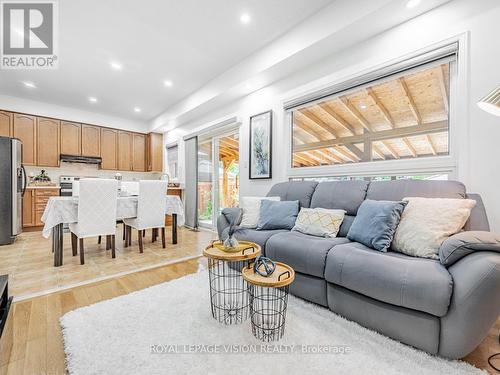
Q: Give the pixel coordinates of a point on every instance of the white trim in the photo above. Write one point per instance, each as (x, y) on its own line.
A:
(458, 127)
(215, 127)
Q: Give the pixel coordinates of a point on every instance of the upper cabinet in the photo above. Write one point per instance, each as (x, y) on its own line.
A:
(154, 152)
(91, 140)
(47, 154)
(71, 138)
(25, 130)
(109, 148)
(6, 124)
(139, 153)
(124, 151)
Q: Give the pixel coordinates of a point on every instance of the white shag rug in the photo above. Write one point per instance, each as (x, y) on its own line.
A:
(118, 336)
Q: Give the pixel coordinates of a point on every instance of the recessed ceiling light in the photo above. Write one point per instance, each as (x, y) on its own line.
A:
(92, 99)
(137, 109)
(168, 83)
(116, 65)
(362, 106)
(31, 85)
(412, 3)
(245, 18)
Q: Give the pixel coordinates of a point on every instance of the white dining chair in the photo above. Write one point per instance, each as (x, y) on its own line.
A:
(150, 212)
(97, 202)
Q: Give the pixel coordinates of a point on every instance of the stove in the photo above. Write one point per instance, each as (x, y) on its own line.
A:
(66, 183)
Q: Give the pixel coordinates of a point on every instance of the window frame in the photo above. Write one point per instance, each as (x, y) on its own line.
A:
(458, 130)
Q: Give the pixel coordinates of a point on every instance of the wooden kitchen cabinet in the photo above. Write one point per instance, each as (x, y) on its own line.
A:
(34, 203)
(154, 152)
(47, 133)
(91, 140)
(28, 211)
(139, 152)
(6, 124)
(25, 130)
(109, 149)
(71, 138)
(124, 151)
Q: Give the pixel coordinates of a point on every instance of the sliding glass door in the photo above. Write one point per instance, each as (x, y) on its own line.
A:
(218, 176)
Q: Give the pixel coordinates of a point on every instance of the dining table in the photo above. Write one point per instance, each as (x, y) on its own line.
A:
(64, 210)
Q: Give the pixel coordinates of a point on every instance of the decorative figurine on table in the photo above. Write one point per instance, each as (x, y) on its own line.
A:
(230, 242)
(264, 266)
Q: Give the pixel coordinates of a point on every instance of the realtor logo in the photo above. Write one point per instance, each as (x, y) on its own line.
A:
(29, 34)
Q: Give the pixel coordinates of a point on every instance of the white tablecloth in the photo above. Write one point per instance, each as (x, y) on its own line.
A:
(65, 210)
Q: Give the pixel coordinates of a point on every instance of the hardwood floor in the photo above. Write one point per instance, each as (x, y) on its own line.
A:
(37, 343)
(29, 261)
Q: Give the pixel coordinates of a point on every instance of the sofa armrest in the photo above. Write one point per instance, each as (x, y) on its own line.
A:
(465, 243)
(225, 219)
(474, 305)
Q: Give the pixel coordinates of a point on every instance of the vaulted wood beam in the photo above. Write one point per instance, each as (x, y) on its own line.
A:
(303, 159)
(312, 117)
(307, 128)
(381, 107)
(346, 154)
(391, 150)
(378, 151)
(431, 144)
(333, 155)
(356, 151)
(442, 87)
(407, 131)
(410, 101)
(327, 155)
(339, 120)
(313, 155)
(410, 147)
(355, 113)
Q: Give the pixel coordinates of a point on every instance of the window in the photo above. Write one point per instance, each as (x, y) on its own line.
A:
(173, 162)
(373, 178)
(401, 117)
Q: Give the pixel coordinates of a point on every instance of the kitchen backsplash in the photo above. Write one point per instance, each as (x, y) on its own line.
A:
(88, 170)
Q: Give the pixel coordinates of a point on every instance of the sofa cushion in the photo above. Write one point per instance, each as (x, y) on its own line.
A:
(277, 215)
(345, 195)
(260, 237)
(306, 254)
(301, 191)
(415, 283)
(399, 189)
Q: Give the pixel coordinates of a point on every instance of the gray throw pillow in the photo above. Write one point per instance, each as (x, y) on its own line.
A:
(464, 243)
(277, 214)
(376, 223)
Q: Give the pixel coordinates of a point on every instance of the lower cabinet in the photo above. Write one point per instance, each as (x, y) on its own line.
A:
(34, 203)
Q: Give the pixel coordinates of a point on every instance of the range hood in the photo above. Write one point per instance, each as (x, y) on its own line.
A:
(81, 159)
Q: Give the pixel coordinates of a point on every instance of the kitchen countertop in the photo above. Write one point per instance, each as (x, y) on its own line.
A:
(43, 187)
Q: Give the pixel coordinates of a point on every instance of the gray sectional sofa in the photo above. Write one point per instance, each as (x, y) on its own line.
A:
(444, 308)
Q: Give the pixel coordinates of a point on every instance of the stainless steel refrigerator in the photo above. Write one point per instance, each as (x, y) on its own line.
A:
(12, 187)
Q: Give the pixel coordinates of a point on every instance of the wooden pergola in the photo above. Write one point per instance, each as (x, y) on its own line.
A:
(402, 118)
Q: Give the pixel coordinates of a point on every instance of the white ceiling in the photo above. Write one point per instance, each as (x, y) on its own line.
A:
(190, 42)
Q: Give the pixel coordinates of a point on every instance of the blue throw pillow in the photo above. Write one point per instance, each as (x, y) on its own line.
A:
(376, 223)
(277, 214)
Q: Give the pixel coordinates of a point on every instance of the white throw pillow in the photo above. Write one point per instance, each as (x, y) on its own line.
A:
(251, 210)
(319, 222)
(427, 222)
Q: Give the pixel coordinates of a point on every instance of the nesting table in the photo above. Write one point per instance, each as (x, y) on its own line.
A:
(229, 297)
(269, 300)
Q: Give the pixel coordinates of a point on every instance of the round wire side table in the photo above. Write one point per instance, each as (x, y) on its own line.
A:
(229, 298)
(268, 301)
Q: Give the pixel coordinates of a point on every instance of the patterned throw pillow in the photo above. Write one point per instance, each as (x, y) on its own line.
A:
(319, 222)
(427, 222)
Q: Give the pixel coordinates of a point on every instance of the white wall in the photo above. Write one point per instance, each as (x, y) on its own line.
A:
(479, 18)
(39, 108)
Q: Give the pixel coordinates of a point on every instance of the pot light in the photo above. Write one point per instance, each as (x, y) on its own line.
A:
(92, 99)
(31, 85)
(137, 109)
(116, 65)
(412, 3)
(168, 83)
(245, 18)
(362, 106)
